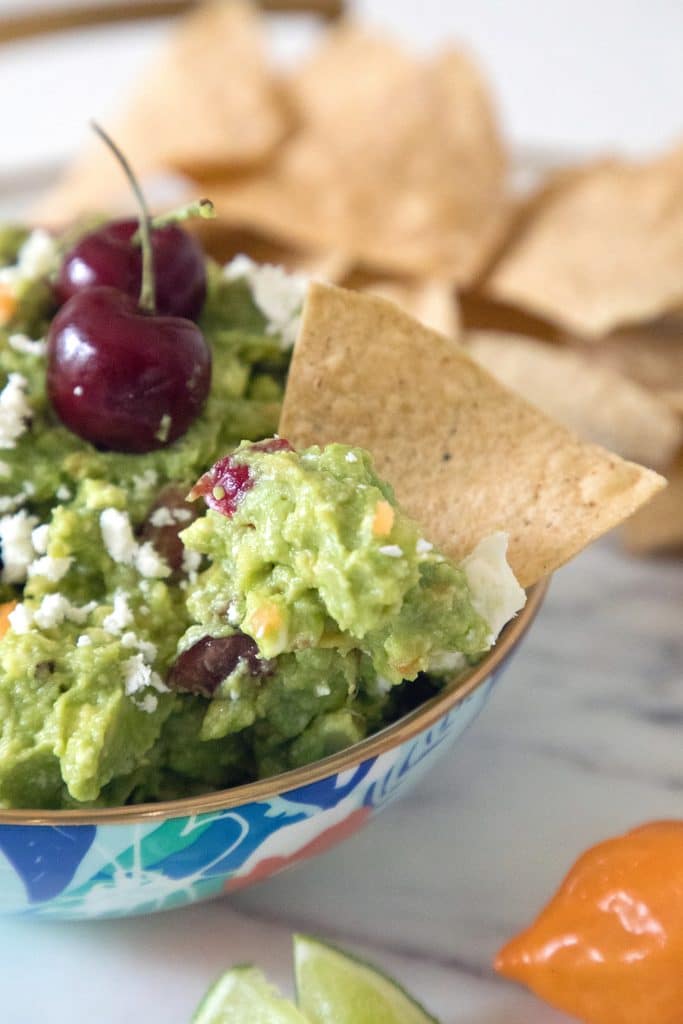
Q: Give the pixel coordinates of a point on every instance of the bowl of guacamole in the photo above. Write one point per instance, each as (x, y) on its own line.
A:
(221, 655)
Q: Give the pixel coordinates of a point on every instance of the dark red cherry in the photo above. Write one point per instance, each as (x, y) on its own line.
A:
(107, 256)
(124, 379)
(223, 486)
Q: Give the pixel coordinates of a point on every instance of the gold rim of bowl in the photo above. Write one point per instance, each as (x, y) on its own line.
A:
(380, 742)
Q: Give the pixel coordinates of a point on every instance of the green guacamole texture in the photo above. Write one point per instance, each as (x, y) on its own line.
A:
(346, 609)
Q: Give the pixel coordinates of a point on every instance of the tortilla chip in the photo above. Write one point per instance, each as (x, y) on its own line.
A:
(465, 456)
(652, 355)
(207, 102)
(353, 72)
(659, 525)
(433, 303)
(411, 182)
(603, 248)
(597, 402)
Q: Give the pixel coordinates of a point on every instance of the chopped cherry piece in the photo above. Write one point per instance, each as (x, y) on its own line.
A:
(123, 379)
(107, 256)
(203, 667)
(223, 486)
(167, 518)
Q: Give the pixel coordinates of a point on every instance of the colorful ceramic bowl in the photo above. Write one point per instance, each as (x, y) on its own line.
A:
(134, 860)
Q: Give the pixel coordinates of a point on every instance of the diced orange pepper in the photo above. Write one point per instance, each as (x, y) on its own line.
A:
(383, 519)
(8, 305)
(608, 948)
(5, 612)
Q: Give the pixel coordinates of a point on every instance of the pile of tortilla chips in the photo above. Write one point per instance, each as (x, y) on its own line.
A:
(389, 173)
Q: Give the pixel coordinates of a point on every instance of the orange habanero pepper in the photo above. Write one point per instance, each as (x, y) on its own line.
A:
(5, 612)
(608, 948)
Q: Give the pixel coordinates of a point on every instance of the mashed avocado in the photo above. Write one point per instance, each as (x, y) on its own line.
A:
(158, 648)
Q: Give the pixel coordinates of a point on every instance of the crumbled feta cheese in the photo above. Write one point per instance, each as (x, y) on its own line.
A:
(15, 412)
(55, 609)
(423, 547)
(147, 649)
(278, 295)
(63, 493)
(16, 546)
(53, 569)
(351, 457)
(137, 675)
(323, 690)
(182, 515)
(383, 686)
(191, 563)
(164, 428)
(232, 614)
(120, 616)
(39, 538)
(38, 255)
(37, 258)
(21, 619)
(84, 640)
(447, 663)
(117, 534)
(496, 594)
(145, 481)
(22, 343)
(162, 517)
(149, 562)
(392, 550)
(149, 703)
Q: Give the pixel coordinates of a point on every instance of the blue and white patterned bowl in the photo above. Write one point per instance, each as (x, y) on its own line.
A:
(134, 860)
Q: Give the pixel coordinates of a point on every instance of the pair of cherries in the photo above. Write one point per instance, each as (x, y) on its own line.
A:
(128, 368)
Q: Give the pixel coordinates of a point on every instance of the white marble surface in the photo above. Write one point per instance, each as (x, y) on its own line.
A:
(580, 740)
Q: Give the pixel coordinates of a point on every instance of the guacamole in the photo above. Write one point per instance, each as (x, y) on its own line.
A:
(158, 647)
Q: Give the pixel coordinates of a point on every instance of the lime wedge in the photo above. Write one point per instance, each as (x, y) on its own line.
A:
(334, 988)
(244, 996)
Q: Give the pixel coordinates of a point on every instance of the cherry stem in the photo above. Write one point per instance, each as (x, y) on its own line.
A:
(203, 208)
(148, 287)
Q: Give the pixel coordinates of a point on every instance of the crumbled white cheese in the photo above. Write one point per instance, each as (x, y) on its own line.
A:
(496, 594)
(27, 346)
(232, 614)
(16, 546)
(21, 619)
(55, 609)
(447, 662)
(63, 493)
(117, 534)
(84, 640)
(39, 538)
(119, 617)
(182, 515)
(15, 412)
(149, 703)
(37, 257)
(192, 560)
(53, 569)
(392, 550)
(423, 547)
(137, 675)
(162, 517)
(149, 562)
(147, 649)
(145, 481)
(278, 295)
(383, 686)
(323, 690)
(351, 457)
